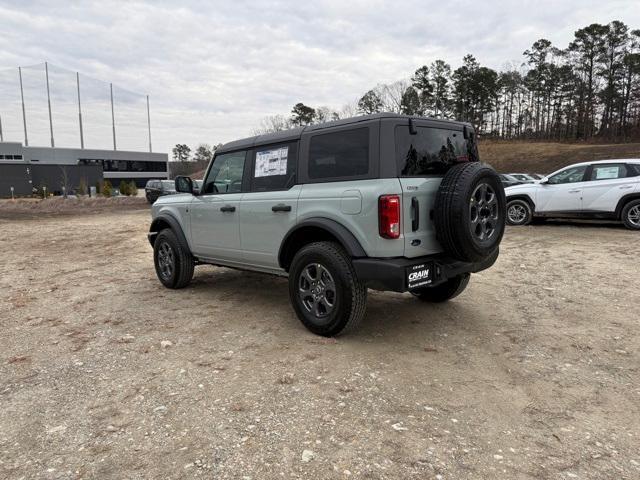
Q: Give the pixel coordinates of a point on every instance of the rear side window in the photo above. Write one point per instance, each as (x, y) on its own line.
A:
(609, 171)
(274, 167)
(431, 151)
(340, 154)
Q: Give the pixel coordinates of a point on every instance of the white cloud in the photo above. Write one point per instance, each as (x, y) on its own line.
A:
(214, 69)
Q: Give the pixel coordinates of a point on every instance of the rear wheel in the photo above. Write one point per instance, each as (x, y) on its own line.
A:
(631, 215)
(173, 261)
(324, 290)
(444, 291)
(519, 212)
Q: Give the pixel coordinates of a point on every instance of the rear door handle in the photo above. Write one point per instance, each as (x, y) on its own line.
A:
(574, 191)
(281, 207)
(228, 208)
(415, 214)
(625, 187)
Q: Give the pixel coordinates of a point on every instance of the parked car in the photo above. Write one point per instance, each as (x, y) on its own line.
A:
(523, 177)
(608, 189)
(536, 176)
(158, 188)
(381, 201)
(508, 181)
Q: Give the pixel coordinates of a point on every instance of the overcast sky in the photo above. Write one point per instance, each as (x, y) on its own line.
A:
(214, 69)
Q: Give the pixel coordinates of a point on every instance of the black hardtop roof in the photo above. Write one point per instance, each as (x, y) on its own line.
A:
(295, 133)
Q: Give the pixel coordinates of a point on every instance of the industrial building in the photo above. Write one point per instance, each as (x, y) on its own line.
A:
(25, 169)
(28, 168)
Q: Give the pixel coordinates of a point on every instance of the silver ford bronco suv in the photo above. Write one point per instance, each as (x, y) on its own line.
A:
(383, 201)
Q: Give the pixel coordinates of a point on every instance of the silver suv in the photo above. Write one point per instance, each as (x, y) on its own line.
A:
(384, 201)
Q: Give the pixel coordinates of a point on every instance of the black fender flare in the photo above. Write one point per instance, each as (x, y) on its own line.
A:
(163, 221)
(348, 241)
(624, 200)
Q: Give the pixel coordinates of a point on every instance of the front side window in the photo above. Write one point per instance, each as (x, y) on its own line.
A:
(568, 175)
(431, 151)
(339, 154)
(225, 175)
(608, 172)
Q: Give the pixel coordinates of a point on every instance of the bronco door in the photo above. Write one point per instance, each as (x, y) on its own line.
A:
(215, 226)
(269, 209)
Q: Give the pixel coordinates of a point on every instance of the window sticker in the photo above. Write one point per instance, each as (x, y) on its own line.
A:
(271, 162)
(603, 173)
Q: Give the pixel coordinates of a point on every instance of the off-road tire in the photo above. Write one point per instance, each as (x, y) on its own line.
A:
(444, 291)
(523, 207)
(628, 212)
(182, 271)
(350, 296)
(453, 215)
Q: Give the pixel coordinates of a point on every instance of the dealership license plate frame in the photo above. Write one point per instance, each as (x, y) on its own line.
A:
(420, 275)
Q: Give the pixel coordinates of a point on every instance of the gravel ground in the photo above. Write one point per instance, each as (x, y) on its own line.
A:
(531, 373)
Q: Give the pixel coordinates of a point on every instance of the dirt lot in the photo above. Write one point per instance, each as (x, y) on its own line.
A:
(546, 157)
(531, 373)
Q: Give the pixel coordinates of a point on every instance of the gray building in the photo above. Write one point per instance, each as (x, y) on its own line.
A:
(26, 168)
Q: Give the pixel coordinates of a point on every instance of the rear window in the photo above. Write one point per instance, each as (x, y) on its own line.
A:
(609, 171)
(340, 154)
(274, 167)
(431, 151)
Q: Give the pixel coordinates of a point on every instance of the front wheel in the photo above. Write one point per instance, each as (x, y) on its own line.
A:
(444, 291)
(173, 261)
(519, 212)
(324, 290)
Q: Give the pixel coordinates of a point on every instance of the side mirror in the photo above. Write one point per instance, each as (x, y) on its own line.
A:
(184, 184)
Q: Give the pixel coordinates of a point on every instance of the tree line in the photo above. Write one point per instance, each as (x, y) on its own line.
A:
(588, 90)
(186, 162)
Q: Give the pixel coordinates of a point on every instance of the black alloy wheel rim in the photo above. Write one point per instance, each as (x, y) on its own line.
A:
(166, 260)
(317, 290)
(483, 213)
(517, 213)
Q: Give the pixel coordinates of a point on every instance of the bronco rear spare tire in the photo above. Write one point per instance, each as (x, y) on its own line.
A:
(470, 211)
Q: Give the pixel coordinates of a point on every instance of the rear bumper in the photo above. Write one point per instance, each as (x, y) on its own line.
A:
(391, 274)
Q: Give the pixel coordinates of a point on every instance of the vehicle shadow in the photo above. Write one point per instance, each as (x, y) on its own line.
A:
(262, 298)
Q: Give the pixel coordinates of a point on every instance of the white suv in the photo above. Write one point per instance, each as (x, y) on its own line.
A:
(608, 189)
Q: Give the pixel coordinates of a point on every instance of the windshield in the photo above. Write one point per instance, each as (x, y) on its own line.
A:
(431, 151)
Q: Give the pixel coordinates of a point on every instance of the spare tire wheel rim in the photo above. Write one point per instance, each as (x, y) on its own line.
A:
(317, 290)
(517, 213)
(483, 213)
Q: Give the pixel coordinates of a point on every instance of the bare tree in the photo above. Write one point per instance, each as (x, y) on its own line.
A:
(272, 123)
(64, 180)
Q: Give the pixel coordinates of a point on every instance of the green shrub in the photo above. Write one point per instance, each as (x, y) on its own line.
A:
(40, 191)
(124, 188)
(106, 189)
(133, 188)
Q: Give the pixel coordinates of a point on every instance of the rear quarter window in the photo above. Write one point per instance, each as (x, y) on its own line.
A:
(344, 153)
(431, 151)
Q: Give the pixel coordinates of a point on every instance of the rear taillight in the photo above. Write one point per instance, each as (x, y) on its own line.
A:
(389, 216)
